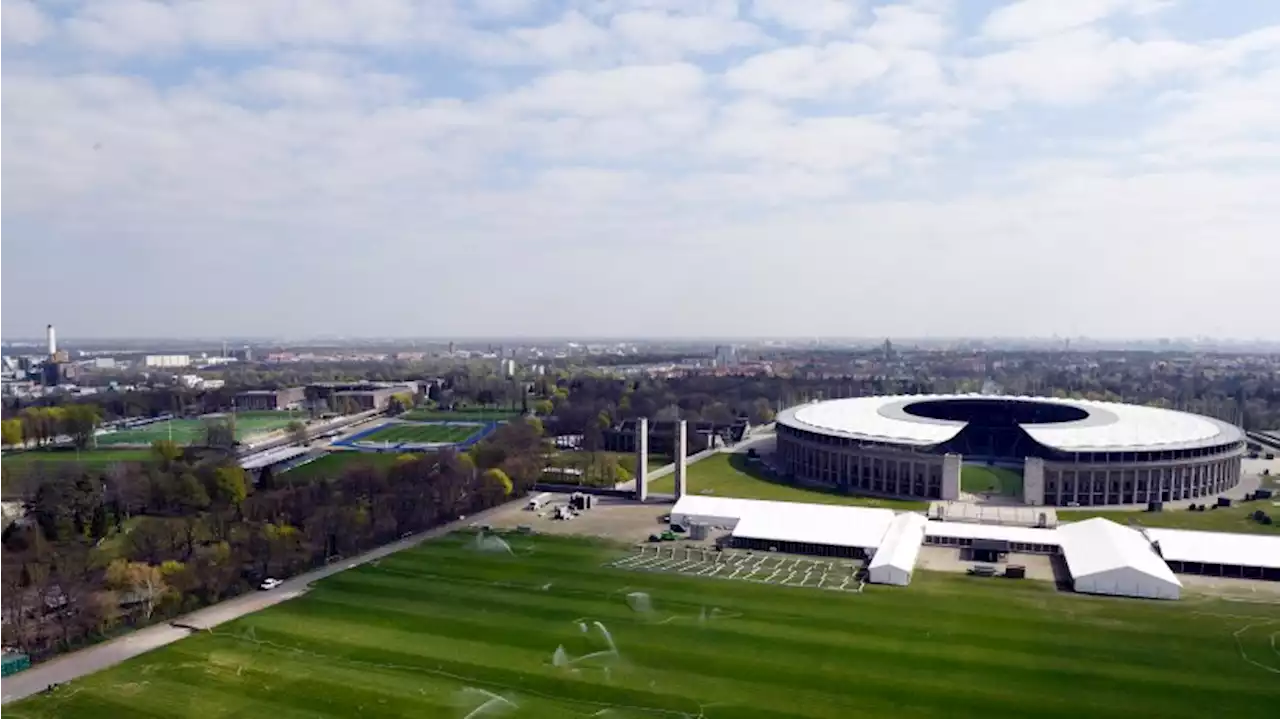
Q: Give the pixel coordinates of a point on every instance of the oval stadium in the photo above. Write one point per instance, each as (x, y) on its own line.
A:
(1067, 452)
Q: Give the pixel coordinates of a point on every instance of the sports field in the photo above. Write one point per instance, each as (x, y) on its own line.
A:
(420, 433)
(334, 464)
(448, 630)
(95, 458)
(982, 479)
(459, 415)
(731, 475)
(188, 431)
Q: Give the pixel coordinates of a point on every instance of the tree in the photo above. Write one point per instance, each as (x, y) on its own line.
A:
(143, 581)
(501, 478)
(191, 494)
(220, 432)
(297, 432)
(166, 451)
(11, 432)
(230, 487)
(80, 422)
(400, 403)
(543, 407)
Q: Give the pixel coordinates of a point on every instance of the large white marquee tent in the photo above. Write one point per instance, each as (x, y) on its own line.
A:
(1107, 558)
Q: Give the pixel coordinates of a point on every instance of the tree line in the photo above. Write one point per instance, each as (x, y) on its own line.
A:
(99, 552)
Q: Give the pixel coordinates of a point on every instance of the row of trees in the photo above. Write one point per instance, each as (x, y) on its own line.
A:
(142, 541)
(40, 426)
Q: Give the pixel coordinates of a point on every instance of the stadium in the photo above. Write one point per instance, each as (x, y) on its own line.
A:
(1069, 452)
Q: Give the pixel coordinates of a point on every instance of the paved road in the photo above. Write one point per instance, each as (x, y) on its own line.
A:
(87, 661)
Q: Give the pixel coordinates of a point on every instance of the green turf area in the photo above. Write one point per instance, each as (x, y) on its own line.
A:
(981, 479)
(90, 457)
(732, 475)
(190, 431)
(1226, 519)
(332, 465)
(416, 433)
(459, 415)
(439, 630)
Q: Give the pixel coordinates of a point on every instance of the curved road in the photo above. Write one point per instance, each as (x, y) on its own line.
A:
(100, 656)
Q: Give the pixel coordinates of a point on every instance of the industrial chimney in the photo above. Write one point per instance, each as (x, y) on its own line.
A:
(53, 341)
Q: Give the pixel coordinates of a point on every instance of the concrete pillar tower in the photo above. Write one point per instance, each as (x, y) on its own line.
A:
(642, 458)
(951, 463)
(682, 452)
(1033, 481)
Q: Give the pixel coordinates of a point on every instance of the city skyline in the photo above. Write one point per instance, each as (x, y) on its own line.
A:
(511, 168)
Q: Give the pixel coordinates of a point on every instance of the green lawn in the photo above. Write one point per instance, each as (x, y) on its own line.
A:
(459, 415)
(190, 431)
(96, 458)
(332, 465)
(398, 432)
(1226, 519)
(981, 479)
(439, 630)
(731, 475)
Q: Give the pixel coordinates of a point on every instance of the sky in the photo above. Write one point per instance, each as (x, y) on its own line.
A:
(692, 168)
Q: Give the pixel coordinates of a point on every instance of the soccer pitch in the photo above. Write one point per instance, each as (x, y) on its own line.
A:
(549, 630)
(418, 433)
(190, 431)
(459, 415)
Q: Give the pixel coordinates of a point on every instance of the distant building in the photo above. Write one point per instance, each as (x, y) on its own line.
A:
(367, 399)
(726, 356)
(271, 399)
(166, 361)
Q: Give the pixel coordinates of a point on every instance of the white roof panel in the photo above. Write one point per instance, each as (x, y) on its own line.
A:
(834, 525)
(1250, 550)
(1097, 545)
(901, 543)
(1109, 426)
(1009, 533)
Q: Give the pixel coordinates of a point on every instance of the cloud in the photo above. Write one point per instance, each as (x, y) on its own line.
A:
(811, 151)
(810, 16)
(1029, 19)
(24, 23)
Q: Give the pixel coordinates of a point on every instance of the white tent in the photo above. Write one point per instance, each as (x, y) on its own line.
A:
(895, 559)
(719, 512)
(1107, 558)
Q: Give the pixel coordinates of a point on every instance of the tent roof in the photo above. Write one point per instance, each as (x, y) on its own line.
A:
(900, 545)
(1248, 550)
(968, 530)
(1099, 545)
(815, 524)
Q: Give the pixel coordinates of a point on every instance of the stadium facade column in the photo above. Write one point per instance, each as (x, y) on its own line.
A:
(642, 458)
(951, 475)
(1033, 481)
(682, 452)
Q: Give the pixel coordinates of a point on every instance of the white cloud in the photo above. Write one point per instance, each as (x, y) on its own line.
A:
(610, 92)
(1026, 19)
(580, 137)
(1072, 68)
(808, 70)
(23, 22)
(810, 16)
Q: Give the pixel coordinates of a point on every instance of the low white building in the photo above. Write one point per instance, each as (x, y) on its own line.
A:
(895, 559)
(167, 361)
(1107, 558)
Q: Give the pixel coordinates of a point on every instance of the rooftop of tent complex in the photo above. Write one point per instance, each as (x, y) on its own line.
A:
(1102, 557)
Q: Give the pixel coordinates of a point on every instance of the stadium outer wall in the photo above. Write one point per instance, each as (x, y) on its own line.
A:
(911, 471)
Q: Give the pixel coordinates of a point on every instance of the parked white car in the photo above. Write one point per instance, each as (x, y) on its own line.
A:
(270, 583)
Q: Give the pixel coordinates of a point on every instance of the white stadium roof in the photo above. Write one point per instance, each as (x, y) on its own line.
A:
(1247, 550)
(1107, 558)
(1109, 426)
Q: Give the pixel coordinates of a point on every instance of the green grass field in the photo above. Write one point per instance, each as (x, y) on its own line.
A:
(459, 415)
(188, 431)
(981, 479)
(731, 475)
(442, 629)
(398, 432)
(16, 463)
(332, 465)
